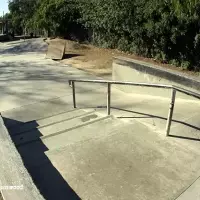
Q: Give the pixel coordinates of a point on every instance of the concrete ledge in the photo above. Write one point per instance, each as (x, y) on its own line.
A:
(13, 171)
(125, 69)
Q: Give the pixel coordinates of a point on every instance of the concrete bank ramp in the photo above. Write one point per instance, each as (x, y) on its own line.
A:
(82, 154)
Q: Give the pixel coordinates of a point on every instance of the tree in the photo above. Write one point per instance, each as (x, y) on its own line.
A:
(167, 30)
(21, 12)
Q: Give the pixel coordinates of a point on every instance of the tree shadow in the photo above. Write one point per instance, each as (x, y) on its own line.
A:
(46, 177)
(30, 46)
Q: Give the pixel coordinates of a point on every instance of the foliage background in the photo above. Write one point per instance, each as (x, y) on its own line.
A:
(167, 30)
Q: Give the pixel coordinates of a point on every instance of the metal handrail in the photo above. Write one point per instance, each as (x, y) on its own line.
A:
(109, 83)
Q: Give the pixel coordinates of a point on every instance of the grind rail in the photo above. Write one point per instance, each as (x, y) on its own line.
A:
(109, 83)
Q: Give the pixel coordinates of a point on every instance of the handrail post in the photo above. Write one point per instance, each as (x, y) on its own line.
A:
(74, 93)
(108, 98)
(171, 110)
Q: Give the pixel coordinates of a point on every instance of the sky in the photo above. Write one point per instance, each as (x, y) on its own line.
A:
(3, 6)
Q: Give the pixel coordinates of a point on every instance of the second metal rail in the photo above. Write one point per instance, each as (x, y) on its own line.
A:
(109, 83)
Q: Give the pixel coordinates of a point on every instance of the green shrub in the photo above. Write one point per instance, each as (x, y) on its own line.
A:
(165, 30)
(185, 65)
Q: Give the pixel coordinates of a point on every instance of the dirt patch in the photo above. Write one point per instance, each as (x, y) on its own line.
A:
(99, 61)
(89, 58)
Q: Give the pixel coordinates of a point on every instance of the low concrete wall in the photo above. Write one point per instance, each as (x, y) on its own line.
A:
(125, 69)
(13, 171)
(56, 49)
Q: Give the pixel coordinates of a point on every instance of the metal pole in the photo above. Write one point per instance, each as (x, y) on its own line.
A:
(74, 93)
(171, 110)
(108, 98)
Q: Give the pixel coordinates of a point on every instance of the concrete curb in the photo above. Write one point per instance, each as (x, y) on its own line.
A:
(125, 69)
(171, 75)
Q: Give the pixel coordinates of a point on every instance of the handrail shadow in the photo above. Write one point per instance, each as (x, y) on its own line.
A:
(184, 138)
(46, 177)
(163, 118)
(155, 116)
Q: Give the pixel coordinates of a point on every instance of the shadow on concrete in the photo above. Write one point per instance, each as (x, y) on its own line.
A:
(154, 116)
(146, 115)
(34, 81)
(70, 55)
(29, 46)
(184, 138)
(46, 177)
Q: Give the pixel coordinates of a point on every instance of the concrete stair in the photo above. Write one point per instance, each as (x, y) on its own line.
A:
(60, 130)
(52, 126)
(40, 123)
(84, 154)
(33, 139)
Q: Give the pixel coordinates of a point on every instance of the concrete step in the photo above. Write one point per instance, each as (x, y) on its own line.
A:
(56, 128)
(33, 152)
(41, 123)
(35, 111)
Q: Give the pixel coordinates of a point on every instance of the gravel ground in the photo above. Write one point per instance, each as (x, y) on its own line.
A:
(99, 60)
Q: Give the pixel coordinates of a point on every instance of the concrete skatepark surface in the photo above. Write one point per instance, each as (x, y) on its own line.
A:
(82, 153)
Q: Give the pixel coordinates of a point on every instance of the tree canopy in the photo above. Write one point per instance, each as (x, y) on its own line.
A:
(167, 30)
